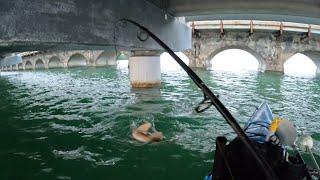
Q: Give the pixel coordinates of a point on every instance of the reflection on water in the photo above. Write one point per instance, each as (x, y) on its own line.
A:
(75, 124)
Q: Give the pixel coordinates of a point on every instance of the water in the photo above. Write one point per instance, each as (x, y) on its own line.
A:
(75, 124)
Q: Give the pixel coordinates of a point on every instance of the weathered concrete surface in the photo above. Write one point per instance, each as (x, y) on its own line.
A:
(270, 49)
(27, 25)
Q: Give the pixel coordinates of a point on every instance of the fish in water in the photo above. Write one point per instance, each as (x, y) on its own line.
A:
(142, 133)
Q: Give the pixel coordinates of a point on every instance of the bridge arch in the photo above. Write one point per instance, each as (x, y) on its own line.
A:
(106, 58)
(39, 64)
(55, 62)
(77, 60)
(28, 65)
(260, 59)
(314, 56)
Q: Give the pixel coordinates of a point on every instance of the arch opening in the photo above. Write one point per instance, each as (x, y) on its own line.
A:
(235, 60)
(123, 64)
(106, 58)
(55, 62)
(168, 64)
(28, 65)
(300, 65)
(123, 60)
(77, 60)
(39, 64)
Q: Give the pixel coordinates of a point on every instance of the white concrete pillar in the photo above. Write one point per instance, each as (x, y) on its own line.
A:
(144, 69)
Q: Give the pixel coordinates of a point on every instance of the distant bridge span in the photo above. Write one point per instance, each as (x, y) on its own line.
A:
(63, 59)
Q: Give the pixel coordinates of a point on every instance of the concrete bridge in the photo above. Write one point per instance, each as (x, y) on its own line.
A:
(271, 48)
(75, 25)
(64, 59)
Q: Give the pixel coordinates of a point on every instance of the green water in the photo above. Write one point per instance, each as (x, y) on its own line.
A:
(75, 124)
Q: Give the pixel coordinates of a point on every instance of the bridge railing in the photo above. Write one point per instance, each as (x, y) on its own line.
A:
(255, 25)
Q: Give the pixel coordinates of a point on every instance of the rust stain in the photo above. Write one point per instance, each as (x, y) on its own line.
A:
(145, 84)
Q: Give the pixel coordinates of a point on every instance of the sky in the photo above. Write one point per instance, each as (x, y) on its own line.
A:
(234, 60)
(300, 64)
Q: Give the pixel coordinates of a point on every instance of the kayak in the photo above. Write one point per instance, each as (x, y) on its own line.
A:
(233, 161)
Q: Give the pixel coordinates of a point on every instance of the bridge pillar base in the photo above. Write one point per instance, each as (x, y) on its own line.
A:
(274, 68)
(144, 69)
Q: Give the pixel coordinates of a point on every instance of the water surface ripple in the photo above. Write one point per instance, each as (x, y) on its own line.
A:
(75, 124)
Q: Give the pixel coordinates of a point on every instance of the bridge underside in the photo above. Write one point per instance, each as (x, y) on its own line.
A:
(90, 24)
(301, 11)
(33, 25)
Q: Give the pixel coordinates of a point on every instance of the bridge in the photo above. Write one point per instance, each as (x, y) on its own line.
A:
(270, 30)
(271, 43)
(64, 59)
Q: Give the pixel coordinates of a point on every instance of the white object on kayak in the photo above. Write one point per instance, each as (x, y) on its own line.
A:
(286, 132)
(305, 142)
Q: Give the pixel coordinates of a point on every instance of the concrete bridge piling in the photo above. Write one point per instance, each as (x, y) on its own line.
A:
(144, 69)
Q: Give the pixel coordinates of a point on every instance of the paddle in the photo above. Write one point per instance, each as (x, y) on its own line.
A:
(306, 144)
(208, 94)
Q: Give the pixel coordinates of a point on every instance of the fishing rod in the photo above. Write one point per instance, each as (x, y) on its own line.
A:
(208, 94)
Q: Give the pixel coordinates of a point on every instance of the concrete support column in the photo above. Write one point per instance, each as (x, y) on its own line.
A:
(194, 60)
(272, 66)
(276, 62)
(90, 59)
(33, 62)
(144, 69)
(46, 64)
(65, 62)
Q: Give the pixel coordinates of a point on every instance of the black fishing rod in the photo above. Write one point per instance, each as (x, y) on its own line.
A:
(270, 174)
